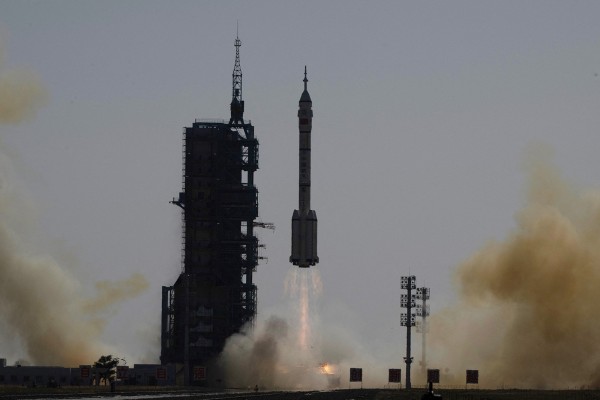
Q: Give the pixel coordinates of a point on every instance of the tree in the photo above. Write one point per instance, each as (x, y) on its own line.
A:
(106, 368)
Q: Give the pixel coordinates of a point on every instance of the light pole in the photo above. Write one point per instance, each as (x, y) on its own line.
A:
(408, 319)
(422, 327)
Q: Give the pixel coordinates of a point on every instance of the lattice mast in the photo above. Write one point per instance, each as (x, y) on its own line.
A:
(422, 327)
(250, 161)
(408, 319)
(237, 102)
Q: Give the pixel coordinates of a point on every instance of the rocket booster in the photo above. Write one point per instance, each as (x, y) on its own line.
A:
(304, 220)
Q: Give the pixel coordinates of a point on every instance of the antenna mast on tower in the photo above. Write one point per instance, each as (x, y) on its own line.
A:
(237, 104)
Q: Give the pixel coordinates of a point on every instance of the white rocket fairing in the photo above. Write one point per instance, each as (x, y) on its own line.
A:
(304, 220)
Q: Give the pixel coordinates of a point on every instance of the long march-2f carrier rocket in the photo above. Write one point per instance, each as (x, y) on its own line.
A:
(304, 220)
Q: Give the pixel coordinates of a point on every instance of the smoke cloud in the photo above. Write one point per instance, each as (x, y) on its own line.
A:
(110, 293)
(299, 350)
(21, 94)
(43, 308)
(280, 352)
(528, 314)
(253, 360)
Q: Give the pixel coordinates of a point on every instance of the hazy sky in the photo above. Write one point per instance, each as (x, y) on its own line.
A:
(423, 114)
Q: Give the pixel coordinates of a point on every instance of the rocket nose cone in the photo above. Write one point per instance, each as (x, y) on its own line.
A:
(305, 98)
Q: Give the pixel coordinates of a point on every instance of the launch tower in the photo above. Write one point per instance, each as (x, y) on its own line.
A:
(214, 295)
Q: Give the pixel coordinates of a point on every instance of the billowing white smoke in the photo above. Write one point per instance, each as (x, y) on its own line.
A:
(279, 352)
(298, 350)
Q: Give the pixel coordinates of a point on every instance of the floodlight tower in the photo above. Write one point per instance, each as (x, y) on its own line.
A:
(408, 319)
(422, 327)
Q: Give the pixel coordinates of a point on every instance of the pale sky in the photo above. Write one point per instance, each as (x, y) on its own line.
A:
(423, 114)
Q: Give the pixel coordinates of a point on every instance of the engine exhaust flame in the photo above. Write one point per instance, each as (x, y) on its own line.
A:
(304, 287)
(287, 350)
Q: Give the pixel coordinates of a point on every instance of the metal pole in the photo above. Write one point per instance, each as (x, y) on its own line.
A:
(186, 354)
(408, 358)
(423, 312)
(408, 319)
(423, 333)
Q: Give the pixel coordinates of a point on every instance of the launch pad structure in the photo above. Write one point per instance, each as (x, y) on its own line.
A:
(214, 296)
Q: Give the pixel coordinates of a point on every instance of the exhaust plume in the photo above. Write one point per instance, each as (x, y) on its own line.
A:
(299, 350)
(42, 308)
(528, 310)
(280, 352)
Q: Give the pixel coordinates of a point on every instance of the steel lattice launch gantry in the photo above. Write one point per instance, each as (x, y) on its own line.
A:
(214, 295)
(304, 220)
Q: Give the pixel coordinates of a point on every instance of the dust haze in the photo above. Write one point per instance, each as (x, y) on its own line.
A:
(528, 314)
(43, 308)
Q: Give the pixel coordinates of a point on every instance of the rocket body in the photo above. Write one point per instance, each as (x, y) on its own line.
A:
(304, 220)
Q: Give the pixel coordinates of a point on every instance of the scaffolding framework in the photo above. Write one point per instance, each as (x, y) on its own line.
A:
(214, 296)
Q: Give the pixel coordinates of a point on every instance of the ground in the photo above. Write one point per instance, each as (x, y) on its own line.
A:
(14, 393)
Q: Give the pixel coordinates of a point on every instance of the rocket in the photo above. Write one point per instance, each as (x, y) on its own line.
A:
(304, 220)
